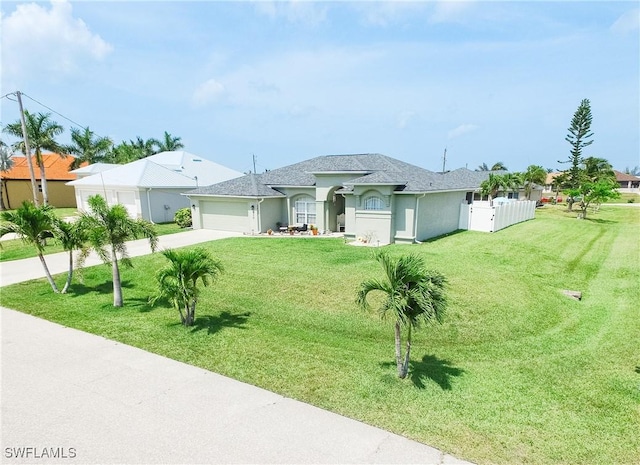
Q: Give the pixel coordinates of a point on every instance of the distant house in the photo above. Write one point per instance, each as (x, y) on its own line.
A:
(16, 183)
(150, 188)
(627, 182)
(365, 195)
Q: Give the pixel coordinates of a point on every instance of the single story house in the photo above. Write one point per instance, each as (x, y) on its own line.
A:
(628, 183)
(151, 187)
(367, 195)
(16, 182)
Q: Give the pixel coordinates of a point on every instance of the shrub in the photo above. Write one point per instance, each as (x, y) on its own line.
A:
(183, 217)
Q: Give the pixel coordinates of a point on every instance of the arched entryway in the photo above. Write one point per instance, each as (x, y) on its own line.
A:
(335, 211)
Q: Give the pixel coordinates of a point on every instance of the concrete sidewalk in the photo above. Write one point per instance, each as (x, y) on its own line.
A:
(73, 397)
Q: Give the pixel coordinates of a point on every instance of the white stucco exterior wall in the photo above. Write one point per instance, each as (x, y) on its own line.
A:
(438, 214)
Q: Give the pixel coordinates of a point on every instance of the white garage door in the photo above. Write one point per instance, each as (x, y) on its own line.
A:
(128, 199)
(84, 195)
(225, 216)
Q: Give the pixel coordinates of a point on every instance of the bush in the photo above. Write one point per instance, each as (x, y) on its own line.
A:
(183, 217)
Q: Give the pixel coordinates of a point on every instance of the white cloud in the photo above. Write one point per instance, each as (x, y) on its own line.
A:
(449, 11)
(461, 130)
(41, 40)
(628, 22)
(208, 92)
(405, 118)
(296, 11)
(387, 13)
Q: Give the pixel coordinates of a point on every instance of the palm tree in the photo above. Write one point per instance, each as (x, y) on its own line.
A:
(498, 166)
(512, 181)
(535, 174)
(6, 163)
(597, 169)
(87, 148)
(71, 236)
(170, 143)
(492, 186)
(33, 225)
(108, 229)
(178, 281)
(124, 153)
(147, 147)
(412, 294)
(41, 132)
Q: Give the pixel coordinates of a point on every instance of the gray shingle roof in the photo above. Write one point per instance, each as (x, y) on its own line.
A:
(366, 168)
(250, 185)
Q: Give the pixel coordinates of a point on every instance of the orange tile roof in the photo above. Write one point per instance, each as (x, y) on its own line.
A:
(56, 168)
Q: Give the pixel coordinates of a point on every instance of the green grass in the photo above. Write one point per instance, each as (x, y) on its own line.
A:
(626, 197)
(518, 373)
(15, 249)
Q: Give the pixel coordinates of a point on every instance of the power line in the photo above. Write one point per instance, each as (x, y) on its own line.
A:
(57, 113)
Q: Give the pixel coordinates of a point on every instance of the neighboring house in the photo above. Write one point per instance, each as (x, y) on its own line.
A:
(628, 183)
(16, 183)
(151, 188)
(368, 195)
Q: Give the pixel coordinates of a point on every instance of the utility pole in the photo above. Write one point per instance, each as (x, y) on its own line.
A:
(27, 151)
(444, 160)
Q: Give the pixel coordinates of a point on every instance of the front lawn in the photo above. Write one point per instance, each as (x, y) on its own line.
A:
(518, 373)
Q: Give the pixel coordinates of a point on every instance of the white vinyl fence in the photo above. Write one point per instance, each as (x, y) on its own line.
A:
(482, 216)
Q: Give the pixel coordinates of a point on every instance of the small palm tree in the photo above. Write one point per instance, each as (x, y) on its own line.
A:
(170, 143)
(492, 186)
(87, 148)
(535, 174)
(412, 294)
(107, 231)
(178, 281)
(72, 237)
(6, 163)
(33, 225)
(498, 166)
(41, 132)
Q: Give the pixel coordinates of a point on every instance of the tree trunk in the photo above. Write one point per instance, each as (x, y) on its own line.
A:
(47, 273)
(6, 192)
(2, 206)
(43, 182)
(69, 274)
(117, 286)
(398, 349)
(407, 355)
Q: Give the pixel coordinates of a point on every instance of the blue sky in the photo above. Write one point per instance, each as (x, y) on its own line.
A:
(286, 81)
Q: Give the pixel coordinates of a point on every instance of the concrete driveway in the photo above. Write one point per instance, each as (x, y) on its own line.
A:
(73, 397)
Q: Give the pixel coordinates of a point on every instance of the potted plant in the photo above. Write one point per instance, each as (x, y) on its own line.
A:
(314, 230)
(269, 231)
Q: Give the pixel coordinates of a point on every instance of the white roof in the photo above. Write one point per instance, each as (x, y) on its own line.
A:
(94, 168)
(166, 169)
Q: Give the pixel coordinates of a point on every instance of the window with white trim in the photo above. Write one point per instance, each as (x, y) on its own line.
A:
(305, 210)
(373, 203)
